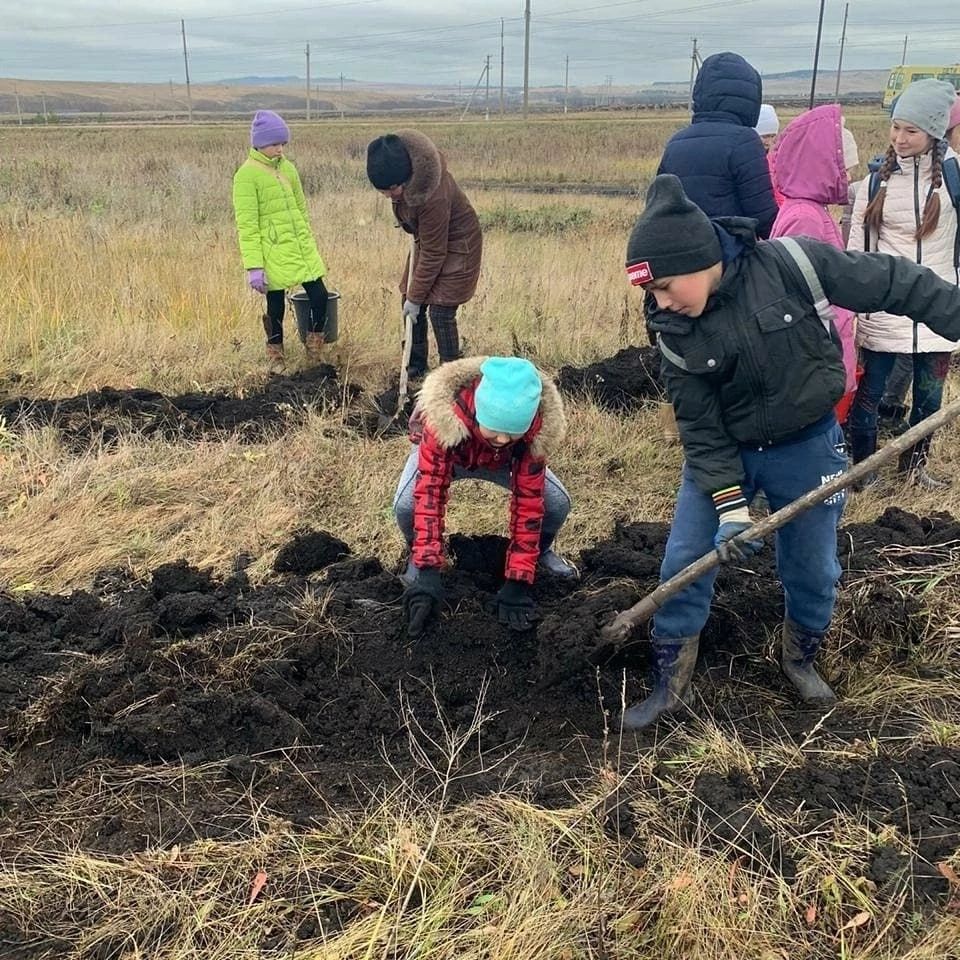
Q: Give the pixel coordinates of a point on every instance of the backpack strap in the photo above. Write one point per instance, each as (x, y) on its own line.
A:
(951, 180)
(873, 188)
(796, 254)
(671, 355)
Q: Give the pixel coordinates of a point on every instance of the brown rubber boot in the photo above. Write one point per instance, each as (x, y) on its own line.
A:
(799, 648)
(313, 344)
(275, 361)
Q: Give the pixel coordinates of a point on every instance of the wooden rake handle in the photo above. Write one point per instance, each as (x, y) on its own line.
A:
(619, 630)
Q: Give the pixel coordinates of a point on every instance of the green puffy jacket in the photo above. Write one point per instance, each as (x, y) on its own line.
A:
(272, 222)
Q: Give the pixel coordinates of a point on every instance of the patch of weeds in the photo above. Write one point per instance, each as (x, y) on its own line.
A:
(543, 221)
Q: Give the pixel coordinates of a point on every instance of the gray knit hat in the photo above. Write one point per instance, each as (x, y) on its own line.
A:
(926, 104)
(672, 236)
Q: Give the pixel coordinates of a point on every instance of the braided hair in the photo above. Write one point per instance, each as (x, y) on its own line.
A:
(873, 215)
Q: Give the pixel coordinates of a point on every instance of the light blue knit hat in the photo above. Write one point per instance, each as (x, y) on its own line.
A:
(927, 105)
(508, 395)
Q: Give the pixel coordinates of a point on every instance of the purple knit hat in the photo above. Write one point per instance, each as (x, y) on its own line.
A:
(268, 128)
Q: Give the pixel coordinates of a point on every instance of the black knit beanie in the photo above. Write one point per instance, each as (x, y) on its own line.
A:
(672, 236)
(388, 163)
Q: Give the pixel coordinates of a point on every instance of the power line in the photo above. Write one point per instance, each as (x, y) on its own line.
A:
(92, 25)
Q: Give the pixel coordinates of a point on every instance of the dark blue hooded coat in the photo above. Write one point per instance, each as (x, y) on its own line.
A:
(719, 158)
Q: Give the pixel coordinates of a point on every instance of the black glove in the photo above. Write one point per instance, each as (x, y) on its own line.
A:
(513, 606)
(421, 599)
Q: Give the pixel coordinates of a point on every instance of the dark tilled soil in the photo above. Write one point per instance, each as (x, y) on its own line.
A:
(309, 688)
(622, 383)
(106, 414)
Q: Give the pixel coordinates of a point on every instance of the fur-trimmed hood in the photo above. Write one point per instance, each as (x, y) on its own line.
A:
(428, 165)
(436, 407)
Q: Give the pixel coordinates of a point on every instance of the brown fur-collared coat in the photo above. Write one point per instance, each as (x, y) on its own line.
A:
(439, 215)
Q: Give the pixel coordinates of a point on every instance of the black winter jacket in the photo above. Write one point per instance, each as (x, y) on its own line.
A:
(757, 367)
(719, 158)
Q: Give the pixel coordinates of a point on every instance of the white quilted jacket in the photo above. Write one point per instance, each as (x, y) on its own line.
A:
(906, 194)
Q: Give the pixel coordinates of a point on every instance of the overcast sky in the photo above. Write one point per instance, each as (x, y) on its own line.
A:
(445, 41)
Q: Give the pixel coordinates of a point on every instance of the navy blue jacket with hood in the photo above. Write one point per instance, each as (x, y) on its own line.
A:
(719, 158)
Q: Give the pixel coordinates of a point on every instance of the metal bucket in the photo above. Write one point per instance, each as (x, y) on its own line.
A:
(301, 307)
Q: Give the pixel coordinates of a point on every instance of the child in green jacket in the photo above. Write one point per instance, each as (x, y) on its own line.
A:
(276, 242)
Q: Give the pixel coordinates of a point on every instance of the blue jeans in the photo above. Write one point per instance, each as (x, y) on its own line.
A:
(929, 372)
(556, 500)
(806, 547)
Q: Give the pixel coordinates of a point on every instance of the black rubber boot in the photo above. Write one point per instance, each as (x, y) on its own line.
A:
(913, 466)
(673, 663)
(863, 443)
(552, 562)
(798, 650)
(892, 418)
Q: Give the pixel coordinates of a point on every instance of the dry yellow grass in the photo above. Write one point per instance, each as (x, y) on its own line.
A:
(118, 255)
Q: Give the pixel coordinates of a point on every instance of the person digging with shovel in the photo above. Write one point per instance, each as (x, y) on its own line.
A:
(407, 168)
(484, 418)
(276, 241)
(753, 365)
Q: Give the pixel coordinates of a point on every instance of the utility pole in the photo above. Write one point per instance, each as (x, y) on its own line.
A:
(903, 56)
(186, 71)
(843, 40)
(16, 94)
(566, 81)
(308, 82)
(694, 66)
(486, 98)
(483, 73)
(526, 58)
(501, 67)
(816, 56)
(341, 83)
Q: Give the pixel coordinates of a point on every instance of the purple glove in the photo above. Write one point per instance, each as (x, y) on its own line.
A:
(257, 279)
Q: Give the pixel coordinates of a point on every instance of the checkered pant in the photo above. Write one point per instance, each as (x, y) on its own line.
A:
(444, 323)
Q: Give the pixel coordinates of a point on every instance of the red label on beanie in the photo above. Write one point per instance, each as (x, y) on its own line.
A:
(640, 273)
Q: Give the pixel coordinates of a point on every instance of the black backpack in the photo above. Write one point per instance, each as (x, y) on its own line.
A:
(951, 180)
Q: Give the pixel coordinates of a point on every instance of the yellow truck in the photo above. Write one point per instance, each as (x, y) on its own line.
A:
(901, 77)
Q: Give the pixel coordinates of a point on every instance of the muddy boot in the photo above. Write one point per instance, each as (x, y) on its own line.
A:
(673, 663)
(892, 418)
(863, 443)
(798, 650)
(913, 467)
(552, 562)
(275, 362)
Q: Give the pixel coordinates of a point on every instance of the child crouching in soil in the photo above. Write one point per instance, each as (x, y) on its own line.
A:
(486, 418)
(276, 242)
(754, 371)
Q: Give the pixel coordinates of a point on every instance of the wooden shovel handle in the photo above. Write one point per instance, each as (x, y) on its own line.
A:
(619, 630)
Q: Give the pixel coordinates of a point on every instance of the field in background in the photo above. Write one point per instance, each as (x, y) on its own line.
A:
(119, 263)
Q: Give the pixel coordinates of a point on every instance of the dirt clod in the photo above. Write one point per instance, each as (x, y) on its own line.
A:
(621, 383)
(310, 550)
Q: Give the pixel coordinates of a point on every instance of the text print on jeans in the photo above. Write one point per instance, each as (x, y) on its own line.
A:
(840, 496)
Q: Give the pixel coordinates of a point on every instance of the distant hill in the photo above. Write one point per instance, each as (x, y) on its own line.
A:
(240, 96)
(796, 83)
(260, 81)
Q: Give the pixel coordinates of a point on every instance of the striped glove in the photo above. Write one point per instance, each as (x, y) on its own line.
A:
(734, 520)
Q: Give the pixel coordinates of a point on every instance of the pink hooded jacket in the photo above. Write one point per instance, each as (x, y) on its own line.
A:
(811, 175)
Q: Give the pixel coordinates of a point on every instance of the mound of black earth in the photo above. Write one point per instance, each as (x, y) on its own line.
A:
(621, 383)
(315, 666)
(102, 416)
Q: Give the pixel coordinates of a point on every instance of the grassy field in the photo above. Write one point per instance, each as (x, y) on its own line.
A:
(119, 261)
